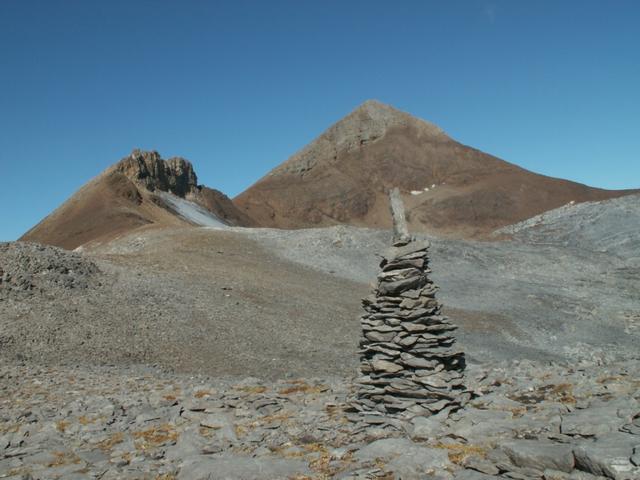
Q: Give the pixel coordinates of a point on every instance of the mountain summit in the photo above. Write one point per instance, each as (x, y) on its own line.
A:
(343, 176)
(366, 124)
(140, 190)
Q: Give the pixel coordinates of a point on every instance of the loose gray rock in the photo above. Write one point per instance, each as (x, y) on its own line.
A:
(609, 456)
(539, 455)
(227, 467)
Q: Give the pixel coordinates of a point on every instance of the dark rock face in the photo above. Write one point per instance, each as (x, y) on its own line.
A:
(175, 175)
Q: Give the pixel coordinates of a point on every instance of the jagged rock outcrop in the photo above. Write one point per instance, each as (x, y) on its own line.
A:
(178, 177)
(175, 175)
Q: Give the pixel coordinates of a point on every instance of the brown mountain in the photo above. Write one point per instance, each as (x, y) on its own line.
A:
(343, 177)
(142, 190)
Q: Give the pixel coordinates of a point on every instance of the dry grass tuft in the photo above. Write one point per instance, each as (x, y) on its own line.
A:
(518, 412)
(155, 436)
(564, 393)
(242, 429)
(86, 420)
(206, 431)
(603, 380)
(301, 387)
(113, 440)
(251, 389)
(276, 417)
(379, 463)
(62, 425)
(332, 410)
(459, 452)
(10, 428)
(323, 463)
(63, 458)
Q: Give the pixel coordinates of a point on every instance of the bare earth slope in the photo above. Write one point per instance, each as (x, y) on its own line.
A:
(566, 286)
(188, 299)
(343, 177)
(267, 302)
(128, 196)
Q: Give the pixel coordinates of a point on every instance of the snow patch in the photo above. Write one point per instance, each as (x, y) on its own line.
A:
(425, 189)
(191, 211)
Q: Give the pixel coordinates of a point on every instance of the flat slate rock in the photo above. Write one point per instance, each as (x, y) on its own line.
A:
(396, 252)
(609, 456)
(539, 455)
(591, 421)
(405, 458)
(228, 467)
(473, 475)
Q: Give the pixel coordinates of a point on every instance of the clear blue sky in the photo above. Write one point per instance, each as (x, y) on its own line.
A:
(238, 86)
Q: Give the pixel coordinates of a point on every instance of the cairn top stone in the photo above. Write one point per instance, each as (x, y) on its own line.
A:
(394, 252)
(400, 230)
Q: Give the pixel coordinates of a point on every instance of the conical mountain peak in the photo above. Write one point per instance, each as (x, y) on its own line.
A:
(368, 123)
(343, 177)
(374, 114)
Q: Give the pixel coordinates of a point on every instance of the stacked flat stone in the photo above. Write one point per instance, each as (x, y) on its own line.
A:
(408, 359)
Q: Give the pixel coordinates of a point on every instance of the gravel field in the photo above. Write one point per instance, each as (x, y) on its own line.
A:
(189, 302)
(565, 286)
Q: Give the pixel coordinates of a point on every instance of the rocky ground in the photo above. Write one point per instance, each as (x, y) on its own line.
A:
(526, 421)
(208, 353)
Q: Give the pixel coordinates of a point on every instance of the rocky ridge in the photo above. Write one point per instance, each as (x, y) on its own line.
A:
(610, 227)
(140, 191)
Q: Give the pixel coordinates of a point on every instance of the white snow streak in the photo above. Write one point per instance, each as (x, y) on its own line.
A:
(191, 211)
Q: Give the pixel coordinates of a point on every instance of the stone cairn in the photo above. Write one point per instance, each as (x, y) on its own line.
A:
(408, 362)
